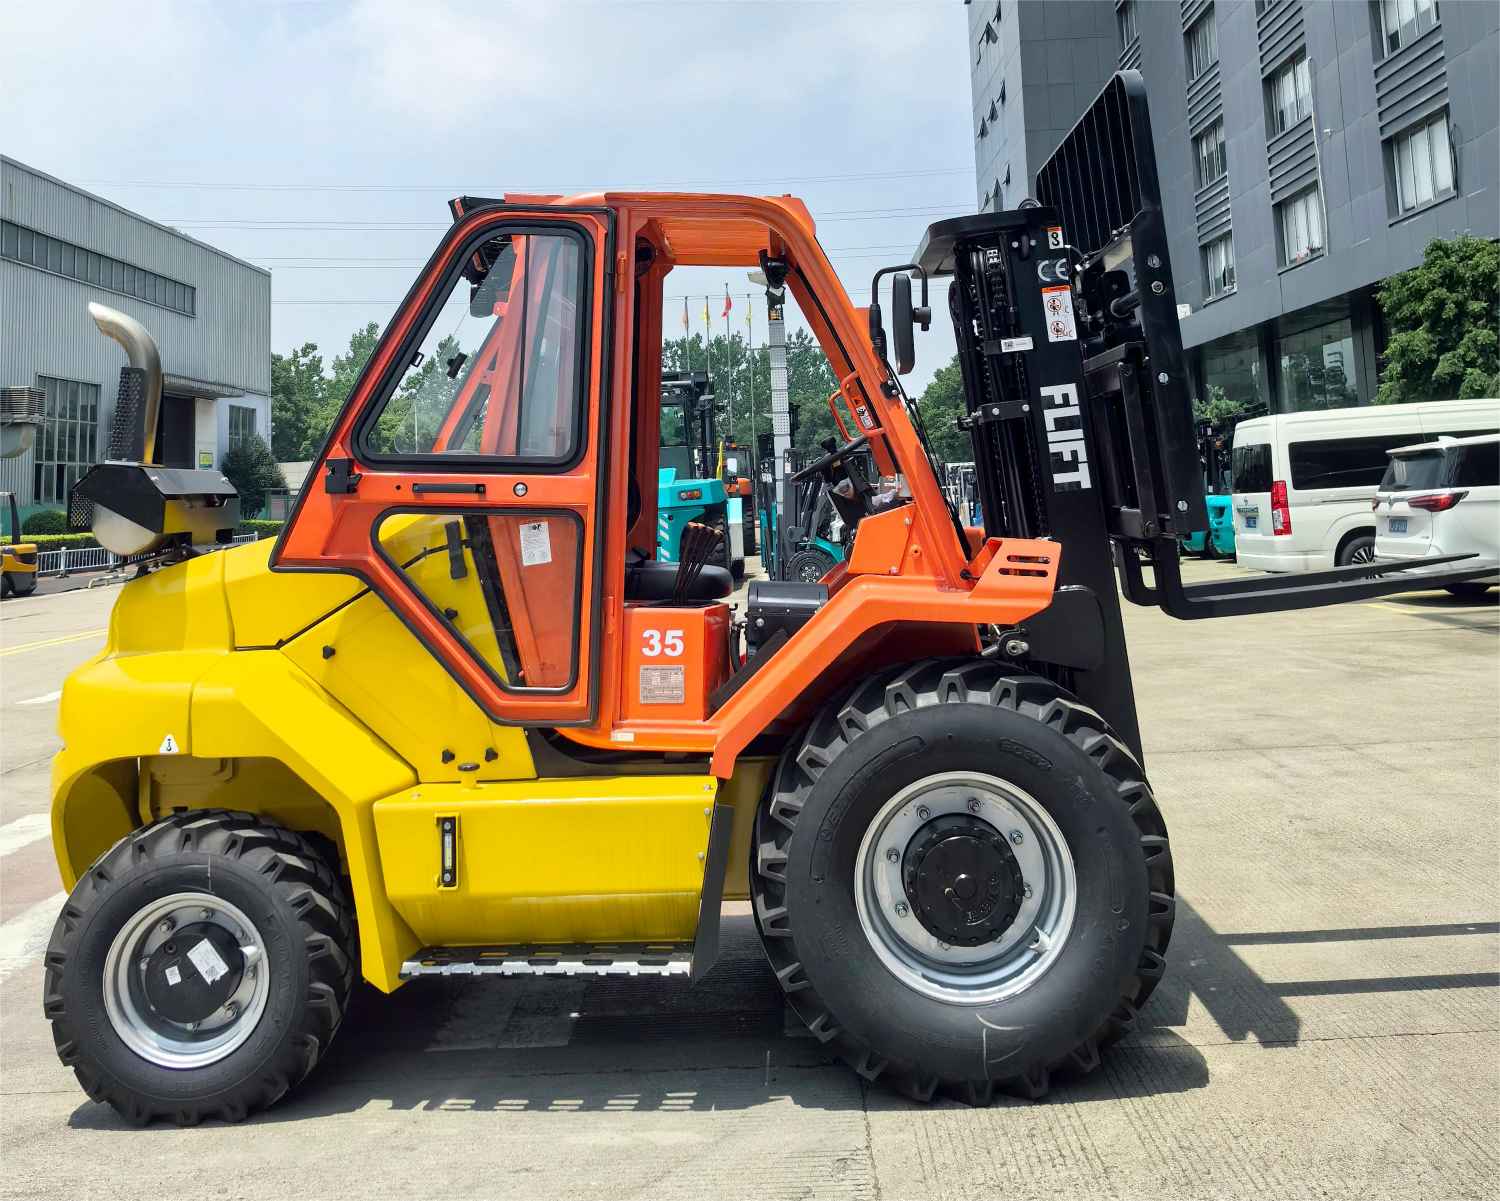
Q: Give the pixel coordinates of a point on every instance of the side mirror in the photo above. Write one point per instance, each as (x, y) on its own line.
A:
(904, 316)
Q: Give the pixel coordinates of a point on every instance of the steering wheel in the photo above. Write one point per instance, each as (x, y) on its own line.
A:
(828, 460)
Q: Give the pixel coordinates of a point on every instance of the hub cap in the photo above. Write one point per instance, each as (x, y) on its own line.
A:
(965, 887)
(186, 980)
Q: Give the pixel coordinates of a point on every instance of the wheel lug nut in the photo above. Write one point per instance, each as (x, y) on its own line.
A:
(973, 804)
(901, 909)
(231, 1011)
(923, 812)
(1028, 891)
(1017, 837)
(207, 913)
(942, 946)
(893, 854)
(167, 926)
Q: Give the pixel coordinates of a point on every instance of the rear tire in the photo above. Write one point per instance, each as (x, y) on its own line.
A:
(1359, 549)
(809, 565)
(933, 1025)
(115, 987)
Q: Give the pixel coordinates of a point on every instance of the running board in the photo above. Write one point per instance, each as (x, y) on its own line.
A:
(1274, 593)
(579, 959)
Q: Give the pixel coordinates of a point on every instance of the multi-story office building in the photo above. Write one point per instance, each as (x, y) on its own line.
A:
(210, 313)
(1307, 150)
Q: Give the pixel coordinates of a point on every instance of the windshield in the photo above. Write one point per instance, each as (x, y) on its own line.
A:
(1415, 473)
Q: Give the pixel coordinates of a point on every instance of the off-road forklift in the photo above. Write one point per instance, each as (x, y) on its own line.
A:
(461, 711)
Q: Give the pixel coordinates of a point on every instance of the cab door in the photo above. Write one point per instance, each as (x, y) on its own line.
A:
(462, 480)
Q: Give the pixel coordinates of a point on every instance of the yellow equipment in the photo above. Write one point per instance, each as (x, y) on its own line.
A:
(17, 558)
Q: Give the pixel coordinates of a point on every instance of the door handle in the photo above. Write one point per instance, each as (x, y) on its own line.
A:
(475, 489)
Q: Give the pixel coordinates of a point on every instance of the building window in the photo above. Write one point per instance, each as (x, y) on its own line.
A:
(1421, 164)
(1402, 21)
(67, 443)
(1218, 266)
(1318, 369)
(1208, 154)
(241, 426)
(1289, 91)
(1202, 44)
(1126, 19)
(23, 245)
(1300, 222)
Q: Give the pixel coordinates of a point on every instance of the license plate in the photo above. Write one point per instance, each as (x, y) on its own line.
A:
(1252, 520)
(1398, 525)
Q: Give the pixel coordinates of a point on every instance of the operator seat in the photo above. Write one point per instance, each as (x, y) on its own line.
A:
(652, 580)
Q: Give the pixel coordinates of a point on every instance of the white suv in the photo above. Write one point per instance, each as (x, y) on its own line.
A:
(1443, 498)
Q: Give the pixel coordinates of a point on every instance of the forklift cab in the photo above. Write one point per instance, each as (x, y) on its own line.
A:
(494, 474)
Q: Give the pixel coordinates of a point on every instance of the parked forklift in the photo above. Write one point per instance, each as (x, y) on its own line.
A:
(692, 482)
(1215, 441)
(17, 558)
(460, 719)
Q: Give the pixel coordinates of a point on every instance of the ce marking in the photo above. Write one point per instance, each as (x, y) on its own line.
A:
(1053, 271)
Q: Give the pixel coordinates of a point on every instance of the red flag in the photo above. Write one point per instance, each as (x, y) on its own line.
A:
(728, 303)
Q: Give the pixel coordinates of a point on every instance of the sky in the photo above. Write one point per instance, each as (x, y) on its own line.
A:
(323, 139)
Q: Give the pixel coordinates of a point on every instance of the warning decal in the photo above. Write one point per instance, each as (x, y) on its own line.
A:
(663, 685)
(1057, 308)
(536, 544)
(1054, 237)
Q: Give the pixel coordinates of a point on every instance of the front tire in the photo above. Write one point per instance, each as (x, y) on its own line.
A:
(1037, 974)
(200, 968)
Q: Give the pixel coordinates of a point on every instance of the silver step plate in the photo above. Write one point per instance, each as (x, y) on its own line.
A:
(614, 959)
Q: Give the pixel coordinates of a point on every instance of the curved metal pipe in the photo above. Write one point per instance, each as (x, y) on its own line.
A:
(140, 347)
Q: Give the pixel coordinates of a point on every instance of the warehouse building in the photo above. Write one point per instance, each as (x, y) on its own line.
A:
(1307, 151)
(61, 247)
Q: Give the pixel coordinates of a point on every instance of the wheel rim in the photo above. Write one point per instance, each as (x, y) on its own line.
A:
(158, 994)
(889, 913)
(1363, 553)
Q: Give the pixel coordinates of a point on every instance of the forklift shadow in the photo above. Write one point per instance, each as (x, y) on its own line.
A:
(620, 1045)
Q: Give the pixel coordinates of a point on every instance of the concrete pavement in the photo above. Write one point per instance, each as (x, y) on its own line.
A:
(1328, 1027)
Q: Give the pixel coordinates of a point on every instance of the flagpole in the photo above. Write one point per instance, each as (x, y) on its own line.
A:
(728, 368)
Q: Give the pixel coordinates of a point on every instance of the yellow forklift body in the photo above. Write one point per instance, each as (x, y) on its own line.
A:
(222, 685)
(604, 859)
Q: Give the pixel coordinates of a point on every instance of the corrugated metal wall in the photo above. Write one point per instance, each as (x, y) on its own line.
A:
(44, 329)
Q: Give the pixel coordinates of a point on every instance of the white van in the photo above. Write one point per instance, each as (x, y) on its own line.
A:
(1303, 482)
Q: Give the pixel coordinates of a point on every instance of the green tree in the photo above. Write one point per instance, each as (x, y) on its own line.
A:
(252, 470)
(742, 384)
(941, 405)
(345, 371)
(410, 422)
(1442, 318)
(297, 397)
(1218, 407)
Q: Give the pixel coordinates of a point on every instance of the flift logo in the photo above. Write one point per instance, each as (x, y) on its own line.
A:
(1068, 453)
